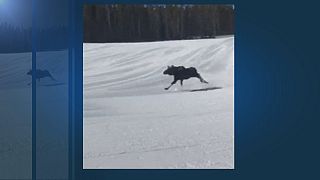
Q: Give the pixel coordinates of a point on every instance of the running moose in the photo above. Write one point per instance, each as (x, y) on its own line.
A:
(41, 74)
(181, 73)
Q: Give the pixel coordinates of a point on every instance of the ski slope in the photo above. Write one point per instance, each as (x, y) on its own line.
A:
(130, 121)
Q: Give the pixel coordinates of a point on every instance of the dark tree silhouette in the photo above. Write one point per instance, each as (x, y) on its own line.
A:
(19, 39)
(131, 23)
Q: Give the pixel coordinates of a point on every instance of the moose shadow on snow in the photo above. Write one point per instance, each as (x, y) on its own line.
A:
(203, 89)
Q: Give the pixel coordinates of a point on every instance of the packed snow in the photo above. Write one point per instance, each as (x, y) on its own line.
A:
(130, 121)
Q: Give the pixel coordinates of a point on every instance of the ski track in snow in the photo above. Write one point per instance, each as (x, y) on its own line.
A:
(130, 121)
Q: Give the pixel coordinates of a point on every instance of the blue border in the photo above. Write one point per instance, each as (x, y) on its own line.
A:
(78, 89)
(71, 79)
(34, 95)
(276, 93)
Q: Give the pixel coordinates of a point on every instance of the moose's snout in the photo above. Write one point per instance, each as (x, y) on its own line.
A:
(165, 72)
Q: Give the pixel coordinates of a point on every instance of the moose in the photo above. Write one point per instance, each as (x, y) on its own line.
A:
(41, 74)
(181, 73)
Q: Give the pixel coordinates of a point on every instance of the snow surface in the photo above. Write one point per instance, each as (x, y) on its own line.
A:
(130, 121)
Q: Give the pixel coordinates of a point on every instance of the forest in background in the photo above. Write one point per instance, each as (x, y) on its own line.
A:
(15, 39)
(136, 23)
(127, 23)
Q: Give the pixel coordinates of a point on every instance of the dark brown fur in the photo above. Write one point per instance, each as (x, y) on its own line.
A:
(181, 73)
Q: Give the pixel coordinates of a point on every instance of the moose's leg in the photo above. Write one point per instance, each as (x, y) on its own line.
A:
(174, 81)
(52, 77)
(201, 79)
(181, 82)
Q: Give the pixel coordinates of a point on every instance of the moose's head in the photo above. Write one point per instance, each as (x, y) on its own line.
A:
(170, 70)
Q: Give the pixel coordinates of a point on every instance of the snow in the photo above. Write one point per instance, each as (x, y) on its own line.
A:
(130, 121)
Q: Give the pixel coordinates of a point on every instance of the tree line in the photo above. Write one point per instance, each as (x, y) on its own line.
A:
(133, 23)
(15, 39)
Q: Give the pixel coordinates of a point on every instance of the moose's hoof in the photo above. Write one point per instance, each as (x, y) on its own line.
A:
(166, 88)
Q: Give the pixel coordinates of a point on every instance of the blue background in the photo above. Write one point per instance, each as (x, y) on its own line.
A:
(277, 88)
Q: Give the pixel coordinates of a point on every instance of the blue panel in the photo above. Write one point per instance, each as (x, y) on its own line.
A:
(276, 93)
(52, 90)
(15, 90)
